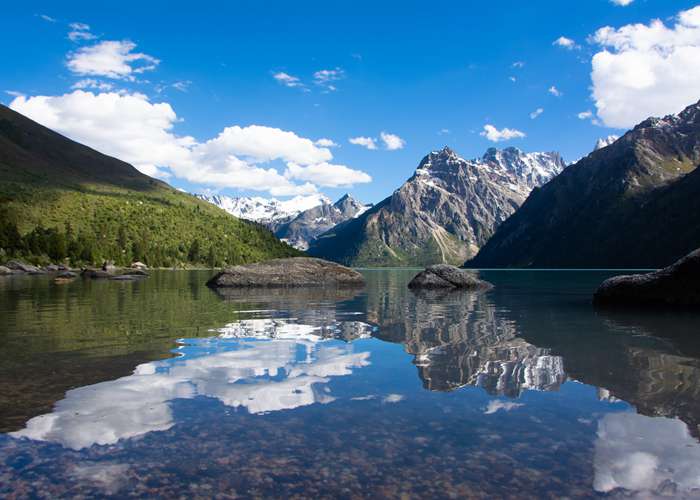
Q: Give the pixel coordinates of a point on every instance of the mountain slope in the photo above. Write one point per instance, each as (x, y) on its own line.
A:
(61, 199)
(443, 213)
(631, 204)
(315, 221)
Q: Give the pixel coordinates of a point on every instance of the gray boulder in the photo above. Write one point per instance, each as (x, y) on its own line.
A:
(676, 285)
(446, 276)
(139, 265)
(16, 265)
(109, 266)
(287, 273)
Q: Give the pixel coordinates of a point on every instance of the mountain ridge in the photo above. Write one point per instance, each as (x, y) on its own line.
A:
(628, 204)
(442, 213)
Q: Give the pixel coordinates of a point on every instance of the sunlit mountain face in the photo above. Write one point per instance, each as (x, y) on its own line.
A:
(454, 387)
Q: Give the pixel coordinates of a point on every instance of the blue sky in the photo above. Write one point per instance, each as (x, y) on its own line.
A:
(431, 73)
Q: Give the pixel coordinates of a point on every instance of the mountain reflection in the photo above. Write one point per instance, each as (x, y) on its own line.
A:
(461, 338)
(259, 365)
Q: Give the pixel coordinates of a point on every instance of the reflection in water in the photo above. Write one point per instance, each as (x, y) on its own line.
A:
(546, 395)
(641, 453)
(461, 338)
(285, 371)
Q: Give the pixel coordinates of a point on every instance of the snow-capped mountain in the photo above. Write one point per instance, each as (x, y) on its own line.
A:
(605, 142)
(270, 212)
(444, 213)
(317, 220)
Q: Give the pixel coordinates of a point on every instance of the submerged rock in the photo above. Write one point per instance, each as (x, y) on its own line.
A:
(64, 277)
(290, 272)
(96, 274)
(446, 276)
(676, 285)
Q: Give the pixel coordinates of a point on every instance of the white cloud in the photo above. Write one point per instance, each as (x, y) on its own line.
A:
(326, 143)
(327, 175)
(585, 115)
(130, 127)
(518, 64)
(623, 3)
(326, 77)
(366, 142)
(47, 18)
(80, 31)
(182, 85)
(566, 43)
(497, 405)
(646, 70)
(555, 91)
(512, 79)
(14, 93)
(91, 83)
(495, 135)
(444, 131)
(287, 80)
(111, 59)
(392, 142)
(535, 114)
(393, 398)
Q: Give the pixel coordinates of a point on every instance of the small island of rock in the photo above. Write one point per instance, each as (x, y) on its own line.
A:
(288, 273)
(449, 277)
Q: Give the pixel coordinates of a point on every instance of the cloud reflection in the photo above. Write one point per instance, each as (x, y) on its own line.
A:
(259, 365)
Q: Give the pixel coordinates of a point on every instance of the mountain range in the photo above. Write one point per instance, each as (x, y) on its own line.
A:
(60, 199)
(630, 204)
(445, 212)
(297, 221)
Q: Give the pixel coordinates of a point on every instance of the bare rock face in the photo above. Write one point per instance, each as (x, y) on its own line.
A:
(676, 285)
(446, 276)
(21, 267)
(287, 273)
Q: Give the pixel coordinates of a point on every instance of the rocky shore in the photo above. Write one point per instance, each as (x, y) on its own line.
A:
(63, 274)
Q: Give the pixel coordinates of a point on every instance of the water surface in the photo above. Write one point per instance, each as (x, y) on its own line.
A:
(166, 388)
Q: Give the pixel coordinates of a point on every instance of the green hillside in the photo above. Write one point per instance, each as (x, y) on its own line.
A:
(60, 199)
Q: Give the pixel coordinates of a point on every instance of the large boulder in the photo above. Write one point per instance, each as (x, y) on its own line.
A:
(446, 276)
(96, 274)
(676, 285)
(291, 272)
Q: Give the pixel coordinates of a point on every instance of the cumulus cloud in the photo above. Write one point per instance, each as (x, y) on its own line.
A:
(392, 142)
(327, 175)
(393, 398)
(110, 59)
(366, 142)
(646, 70)
(136, 130)
(287, 80)
(80, 32)
(535, 114)
(555, 91)
(565, 42)
(622, 3)
(505, 134)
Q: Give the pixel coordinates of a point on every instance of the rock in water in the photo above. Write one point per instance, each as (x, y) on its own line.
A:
(291, 272)
(16, 265)
(446, 276)
(676, 285)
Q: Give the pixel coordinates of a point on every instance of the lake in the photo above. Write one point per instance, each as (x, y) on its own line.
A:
(165, 388)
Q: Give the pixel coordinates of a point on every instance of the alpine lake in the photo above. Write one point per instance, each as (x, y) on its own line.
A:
(165, 388)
